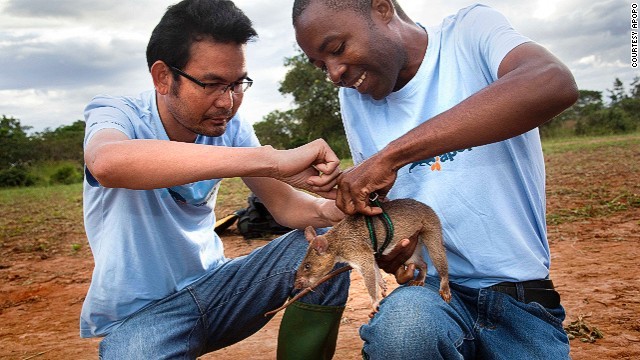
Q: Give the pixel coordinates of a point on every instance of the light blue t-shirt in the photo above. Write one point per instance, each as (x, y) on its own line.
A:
(490, 199)
(147, 244)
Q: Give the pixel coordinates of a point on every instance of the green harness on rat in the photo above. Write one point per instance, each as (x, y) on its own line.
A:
(388, 225)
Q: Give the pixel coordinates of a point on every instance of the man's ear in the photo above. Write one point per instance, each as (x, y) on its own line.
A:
(383, 9)
(162, 77)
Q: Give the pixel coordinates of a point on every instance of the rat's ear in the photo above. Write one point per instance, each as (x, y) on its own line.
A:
(320, 244)
(310, 233)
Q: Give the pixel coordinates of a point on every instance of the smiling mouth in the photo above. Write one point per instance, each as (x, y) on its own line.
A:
(360, 80)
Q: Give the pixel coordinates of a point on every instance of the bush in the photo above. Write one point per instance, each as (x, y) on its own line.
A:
(66, 174)
(606, 122)
(16, 176)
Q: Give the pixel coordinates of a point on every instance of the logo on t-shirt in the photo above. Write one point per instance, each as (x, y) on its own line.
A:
(196, 194)
(436, 163)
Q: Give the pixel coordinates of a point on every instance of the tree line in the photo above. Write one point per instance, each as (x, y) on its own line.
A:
(21, 153)
(590, 115)
(315, 114)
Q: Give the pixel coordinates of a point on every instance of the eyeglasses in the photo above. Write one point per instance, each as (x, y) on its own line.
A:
(236, 87)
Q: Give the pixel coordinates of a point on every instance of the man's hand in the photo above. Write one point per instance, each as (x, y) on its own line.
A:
(330, 212)
(394, 261)
(312, 167)
(356, 184)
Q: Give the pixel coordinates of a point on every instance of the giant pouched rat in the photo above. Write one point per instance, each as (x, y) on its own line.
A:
(349, 241)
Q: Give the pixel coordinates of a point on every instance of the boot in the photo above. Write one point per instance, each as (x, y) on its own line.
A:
(309, 332)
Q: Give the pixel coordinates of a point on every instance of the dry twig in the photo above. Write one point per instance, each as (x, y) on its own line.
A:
(310, 288)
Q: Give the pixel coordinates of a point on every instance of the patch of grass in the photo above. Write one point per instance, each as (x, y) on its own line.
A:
(599, 205)
(50, 172)
(36, 219)
(591, 177)
(346, 163)
(580, 143)
(232, 196)
(579, 329)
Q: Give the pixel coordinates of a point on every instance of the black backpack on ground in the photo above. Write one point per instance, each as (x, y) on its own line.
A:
(257, 222)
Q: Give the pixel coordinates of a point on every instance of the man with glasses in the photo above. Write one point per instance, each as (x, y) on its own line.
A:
(448, 114)
(161, 286)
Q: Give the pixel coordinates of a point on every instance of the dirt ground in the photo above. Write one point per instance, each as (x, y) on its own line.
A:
(594, 266)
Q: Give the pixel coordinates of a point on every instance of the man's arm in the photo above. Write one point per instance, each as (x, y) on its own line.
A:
(293, 208)
(117, 161)
(532, 88)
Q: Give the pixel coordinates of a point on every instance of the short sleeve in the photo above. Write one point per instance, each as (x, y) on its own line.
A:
(246, 135)
(489, 34)
(105, 113)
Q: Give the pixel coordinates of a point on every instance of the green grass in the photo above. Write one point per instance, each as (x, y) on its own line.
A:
(591, 177)
(597, 206)
(232, 196)
(578, 143)
(35, 219)
(46, 170)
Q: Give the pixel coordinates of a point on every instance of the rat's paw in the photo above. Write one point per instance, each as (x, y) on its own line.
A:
(415, 283)
(445, 294)
(374, 309)
(383, 287)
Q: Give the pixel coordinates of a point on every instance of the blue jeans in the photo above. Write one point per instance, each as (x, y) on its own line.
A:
(415, 323)
(225, 306)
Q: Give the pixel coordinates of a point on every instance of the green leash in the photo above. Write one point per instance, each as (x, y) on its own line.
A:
(388, 225)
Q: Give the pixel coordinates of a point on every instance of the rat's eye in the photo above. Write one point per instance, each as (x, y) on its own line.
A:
(307, 266)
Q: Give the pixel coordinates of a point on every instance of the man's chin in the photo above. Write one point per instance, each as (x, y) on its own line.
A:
(212, 131)
(378, 93)
(379, 96)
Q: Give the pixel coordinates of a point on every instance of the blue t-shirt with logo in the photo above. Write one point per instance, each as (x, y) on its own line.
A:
(491, 198)
(147, 244)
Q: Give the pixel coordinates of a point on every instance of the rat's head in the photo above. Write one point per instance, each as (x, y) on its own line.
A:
(317, 262)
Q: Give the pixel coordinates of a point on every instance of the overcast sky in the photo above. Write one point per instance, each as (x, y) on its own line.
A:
(55, 55)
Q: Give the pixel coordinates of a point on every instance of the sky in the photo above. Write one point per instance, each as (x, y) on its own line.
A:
(56, 55)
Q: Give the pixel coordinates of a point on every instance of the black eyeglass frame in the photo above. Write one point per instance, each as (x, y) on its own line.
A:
(248, 81)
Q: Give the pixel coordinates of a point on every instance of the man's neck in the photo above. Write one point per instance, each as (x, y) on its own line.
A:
(175, 131)
(415, 42)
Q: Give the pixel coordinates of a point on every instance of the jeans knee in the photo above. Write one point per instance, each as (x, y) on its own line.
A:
(412, 320)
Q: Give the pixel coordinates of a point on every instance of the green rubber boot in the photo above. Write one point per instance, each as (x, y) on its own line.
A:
(309, 332)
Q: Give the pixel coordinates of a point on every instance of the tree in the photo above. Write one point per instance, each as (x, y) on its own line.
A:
(618, 93)
(279, 129)
(635, 88)
(630, 104)
(316, 114)
(14, 142)
(63, 143)
(589, 102)
(613, 120)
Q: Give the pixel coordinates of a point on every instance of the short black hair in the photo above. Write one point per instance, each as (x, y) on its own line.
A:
(361, 6)
(194, 20)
